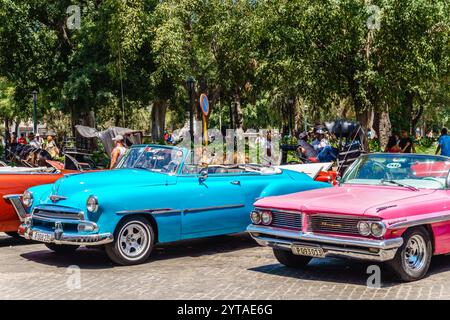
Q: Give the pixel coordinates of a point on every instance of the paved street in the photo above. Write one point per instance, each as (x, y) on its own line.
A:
(231, 267)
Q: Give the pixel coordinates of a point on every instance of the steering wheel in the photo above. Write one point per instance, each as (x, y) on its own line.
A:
(369, 171)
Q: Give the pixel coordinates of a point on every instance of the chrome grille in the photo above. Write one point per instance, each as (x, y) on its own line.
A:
(46, 213)
(326, 223)
(288, 220)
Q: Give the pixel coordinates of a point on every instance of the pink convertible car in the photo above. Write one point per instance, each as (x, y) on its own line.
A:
(392, 208)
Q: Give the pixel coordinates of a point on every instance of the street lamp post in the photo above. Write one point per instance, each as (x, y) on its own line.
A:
(35, 111)
(190, 84)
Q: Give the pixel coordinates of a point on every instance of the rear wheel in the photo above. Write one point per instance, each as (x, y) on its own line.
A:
(291, 260)
(134, 240)
(61, 248)
(412, 260)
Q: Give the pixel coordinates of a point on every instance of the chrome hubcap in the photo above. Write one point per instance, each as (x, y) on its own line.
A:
(133, 239)
(415, 253)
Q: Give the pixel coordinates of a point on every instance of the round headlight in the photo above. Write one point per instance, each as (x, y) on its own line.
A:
(364, 228)
(256, 217)
(92, 204)
(27, 199)
(378, 229)
(266, 218)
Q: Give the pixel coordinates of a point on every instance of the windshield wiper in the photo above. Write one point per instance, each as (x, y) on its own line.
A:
(383, 181)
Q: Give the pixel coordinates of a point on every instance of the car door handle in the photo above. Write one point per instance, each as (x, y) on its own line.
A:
(236, 183)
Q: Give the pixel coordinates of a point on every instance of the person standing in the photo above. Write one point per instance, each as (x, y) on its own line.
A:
(13, 139)
(406, 144)
(118, 151)
(392, 145)
(444, 143)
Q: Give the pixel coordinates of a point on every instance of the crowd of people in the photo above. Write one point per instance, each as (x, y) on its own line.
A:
(315, 146)
(403, 143)
(37, 142)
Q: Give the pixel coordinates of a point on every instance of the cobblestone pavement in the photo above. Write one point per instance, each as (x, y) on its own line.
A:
(230, 267)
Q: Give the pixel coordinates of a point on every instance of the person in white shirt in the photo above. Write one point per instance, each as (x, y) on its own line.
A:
(118, 151)
(34, 141)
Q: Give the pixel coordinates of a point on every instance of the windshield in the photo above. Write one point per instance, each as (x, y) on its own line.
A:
(406, 170)
(153, 158)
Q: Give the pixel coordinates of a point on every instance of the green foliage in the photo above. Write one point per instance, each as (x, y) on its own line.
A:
(280, 61)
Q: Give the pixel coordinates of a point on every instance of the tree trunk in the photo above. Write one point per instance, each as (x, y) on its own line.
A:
(384, 127)
(410, 109)
(159, 110)
(238, 117)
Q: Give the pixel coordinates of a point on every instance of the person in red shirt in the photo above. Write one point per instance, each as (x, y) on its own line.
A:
(392, 145)
(22, 139)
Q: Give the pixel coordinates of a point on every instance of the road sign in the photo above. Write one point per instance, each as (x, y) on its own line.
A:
(204, 104)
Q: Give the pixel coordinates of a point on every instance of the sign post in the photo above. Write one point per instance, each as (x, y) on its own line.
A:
(204, 105)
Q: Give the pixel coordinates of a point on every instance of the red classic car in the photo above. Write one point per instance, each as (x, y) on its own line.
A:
(13, 182)
(388, 208)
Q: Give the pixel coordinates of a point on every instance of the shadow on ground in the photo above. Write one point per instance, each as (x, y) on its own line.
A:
(347, 271)
(7, 241)
(96, 258)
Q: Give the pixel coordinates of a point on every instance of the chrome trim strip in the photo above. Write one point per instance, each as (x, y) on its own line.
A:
(338, 240)
(278, 210)
(58, 209)
(344, 216)
(151, 211)
(56, 219)
(232, 206)
(413, 223)
(17, 204)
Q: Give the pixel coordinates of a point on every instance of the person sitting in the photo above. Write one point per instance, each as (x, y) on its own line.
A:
(22, 140)
(51, 146)
(33, 141)
(325, 152)
(304, 148)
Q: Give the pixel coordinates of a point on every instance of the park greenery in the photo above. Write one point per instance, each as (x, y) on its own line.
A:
(284, 64)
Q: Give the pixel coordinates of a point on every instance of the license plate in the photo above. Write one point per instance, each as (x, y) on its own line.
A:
(41, 237)
(308, 251)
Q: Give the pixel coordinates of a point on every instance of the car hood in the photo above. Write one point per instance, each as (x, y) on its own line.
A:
(114, 179)
(353, 200)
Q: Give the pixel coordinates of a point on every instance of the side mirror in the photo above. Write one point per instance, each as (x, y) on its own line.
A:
(203, 176)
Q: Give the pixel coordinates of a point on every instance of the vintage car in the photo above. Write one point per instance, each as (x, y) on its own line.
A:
(13, 182)
(155, 196)
(392, 208)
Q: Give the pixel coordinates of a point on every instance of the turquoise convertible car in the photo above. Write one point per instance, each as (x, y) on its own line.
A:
(155, 196)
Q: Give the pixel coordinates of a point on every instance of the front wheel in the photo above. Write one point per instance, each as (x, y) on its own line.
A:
(14, 235)
(134, 240)
(291, 260)
(61, 248)
(412, 260)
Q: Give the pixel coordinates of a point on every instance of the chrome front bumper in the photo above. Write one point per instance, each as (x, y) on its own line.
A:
(333, 246)
(60, 237)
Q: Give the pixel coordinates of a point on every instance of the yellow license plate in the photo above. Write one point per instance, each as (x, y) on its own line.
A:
(308, 251)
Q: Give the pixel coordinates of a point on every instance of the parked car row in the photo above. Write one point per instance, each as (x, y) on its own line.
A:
(387, 208)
